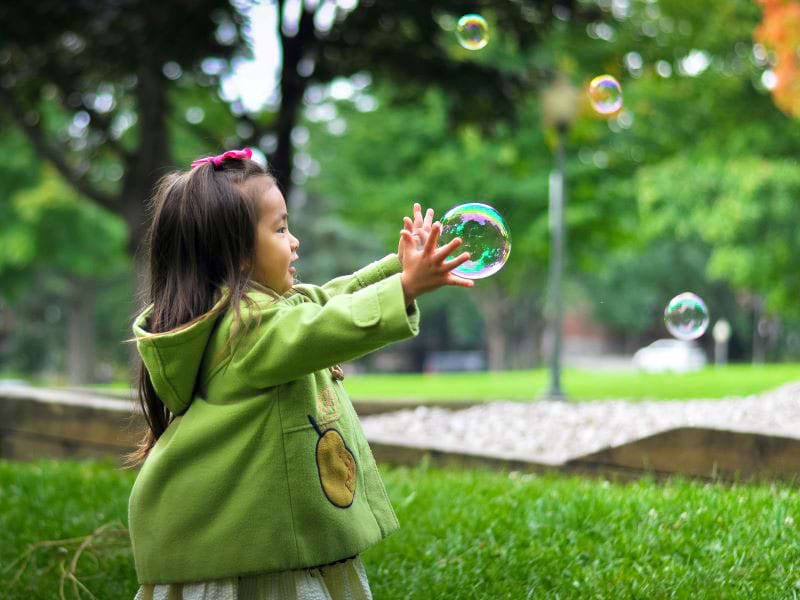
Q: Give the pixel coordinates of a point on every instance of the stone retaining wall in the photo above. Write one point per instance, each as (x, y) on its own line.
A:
(83, 423)
(62, 423)
(37, 422)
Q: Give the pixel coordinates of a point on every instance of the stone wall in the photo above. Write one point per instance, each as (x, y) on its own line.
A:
(79, 423)
(75, 424)
(38, 422)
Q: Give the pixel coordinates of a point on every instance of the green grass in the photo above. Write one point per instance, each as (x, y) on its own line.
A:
(468, 534)
(732, 380)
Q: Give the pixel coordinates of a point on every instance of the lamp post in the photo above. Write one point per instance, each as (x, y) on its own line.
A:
(559, 109)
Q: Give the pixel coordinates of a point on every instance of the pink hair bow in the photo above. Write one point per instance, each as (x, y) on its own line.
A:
(217, 160)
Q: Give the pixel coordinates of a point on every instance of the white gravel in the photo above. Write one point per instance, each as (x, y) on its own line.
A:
(552, 432)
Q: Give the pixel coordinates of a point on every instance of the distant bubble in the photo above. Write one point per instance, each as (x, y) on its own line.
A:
(605, 94)
(472, 32)
(686, 316)
(483, 234)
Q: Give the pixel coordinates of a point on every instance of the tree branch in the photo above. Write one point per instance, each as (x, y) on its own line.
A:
(65, 80)
(36, 136)
(105, 126)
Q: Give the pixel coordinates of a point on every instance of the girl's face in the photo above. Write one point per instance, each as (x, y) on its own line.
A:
(276, 248)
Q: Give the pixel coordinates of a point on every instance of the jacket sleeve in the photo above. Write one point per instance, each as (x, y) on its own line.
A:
(294, 340)
(346, 284)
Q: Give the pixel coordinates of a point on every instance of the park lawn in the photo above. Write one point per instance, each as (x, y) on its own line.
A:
(580, 385)
(464, 534)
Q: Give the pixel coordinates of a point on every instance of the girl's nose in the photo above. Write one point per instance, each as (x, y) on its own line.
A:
(295, 243)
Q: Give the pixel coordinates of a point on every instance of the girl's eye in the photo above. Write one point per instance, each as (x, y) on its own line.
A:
(282, 229)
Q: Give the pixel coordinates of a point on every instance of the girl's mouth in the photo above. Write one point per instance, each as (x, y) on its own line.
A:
(292, 270)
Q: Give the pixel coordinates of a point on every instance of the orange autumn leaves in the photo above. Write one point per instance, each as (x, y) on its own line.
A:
(779, 31)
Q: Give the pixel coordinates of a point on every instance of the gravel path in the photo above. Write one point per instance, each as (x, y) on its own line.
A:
(553, 432)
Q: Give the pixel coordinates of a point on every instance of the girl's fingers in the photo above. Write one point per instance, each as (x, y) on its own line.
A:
(447, 249)
(428, 219)
(456, 262)
(406, 237)
(453, 279)
(408, 224)
(417, 215)
(430, 243)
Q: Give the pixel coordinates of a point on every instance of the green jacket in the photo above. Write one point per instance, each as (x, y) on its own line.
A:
(266, 468)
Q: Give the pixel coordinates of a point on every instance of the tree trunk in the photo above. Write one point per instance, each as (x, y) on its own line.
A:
(514, 327)
(303, 44)
(147, 165)
(142, 171)
(492, 311)
(81, 332)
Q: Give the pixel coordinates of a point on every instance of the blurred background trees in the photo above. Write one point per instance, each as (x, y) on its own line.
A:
(692, 186)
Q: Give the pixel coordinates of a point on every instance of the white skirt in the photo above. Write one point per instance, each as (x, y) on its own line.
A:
(341, 581)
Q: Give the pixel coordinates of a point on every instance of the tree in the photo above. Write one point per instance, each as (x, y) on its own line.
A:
(395, 153)
(693, 88)
(697, 118)
(745, 209)
(101, 89)
(115, 70)
(43, 259)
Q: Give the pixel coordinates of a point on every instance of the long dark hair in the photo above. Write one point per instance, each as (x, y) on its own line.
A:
(202, 232)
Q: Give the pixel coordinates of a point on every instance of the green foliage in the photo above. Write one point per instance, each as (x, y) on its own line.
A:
(632, 291)
(402, 153)
(53, 241)
(745, 209)
(93, 244)
(413, 44)
(681, 137)
(464, 534)
(453, 126)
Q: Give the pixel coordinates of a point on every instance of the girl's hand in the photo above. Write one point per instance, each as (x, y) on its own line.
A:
(425, 269)
(419, 228)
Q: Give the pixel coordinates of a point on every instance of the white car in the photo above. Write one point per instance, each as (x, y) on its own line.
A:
(670, 355)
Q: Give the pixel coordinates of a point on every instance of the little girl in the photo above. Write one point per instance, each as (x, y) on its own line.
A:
(256, 478)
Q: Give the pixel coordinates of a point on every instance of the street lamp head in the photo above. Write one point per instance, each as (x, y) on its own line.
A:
(560, 103)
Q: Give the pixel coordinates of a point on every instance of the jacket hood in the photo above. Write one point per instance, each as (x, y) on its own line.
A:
(173, 358)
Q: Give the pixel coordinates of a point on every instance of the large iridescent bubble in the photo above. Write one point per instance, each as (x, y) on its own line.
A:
(605, 94)
(472, 32)
(686, 316)
(483, 234)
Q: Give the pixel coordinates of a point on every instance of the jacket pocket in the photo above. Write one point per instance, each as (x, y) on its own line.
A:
(330, 518)
(336, 466)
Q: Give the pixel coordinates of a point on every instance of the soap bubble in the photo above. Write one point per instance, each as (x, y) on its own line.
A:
(483, 234)
(605, 94)
(472, 32)
(686, 316)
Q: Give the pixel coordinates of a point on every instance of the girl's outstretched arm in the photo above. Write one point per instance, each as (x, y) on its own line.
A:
(294, 340)
(346, 284)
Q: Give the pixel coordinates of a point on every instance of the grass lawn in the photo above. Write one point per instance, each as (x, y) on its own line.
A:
(731, 380)
(464, 534)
